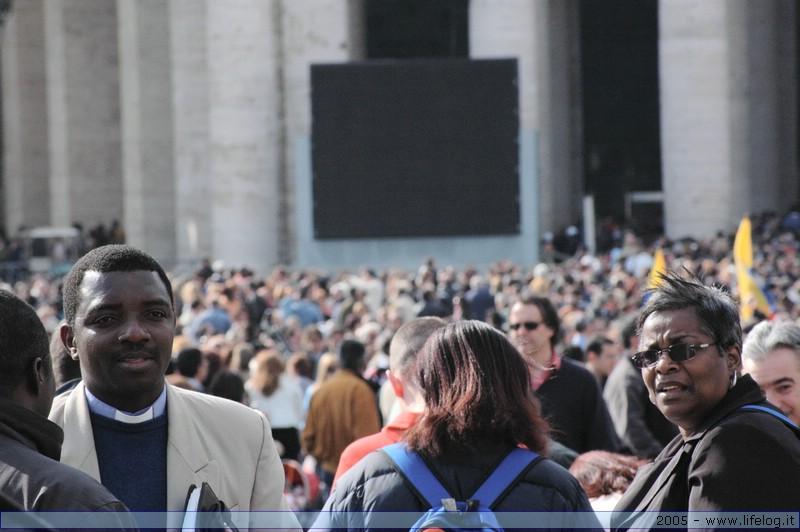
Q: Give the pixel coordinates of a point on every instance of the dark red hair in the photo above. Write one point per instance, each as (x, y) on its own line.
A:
(477, 393)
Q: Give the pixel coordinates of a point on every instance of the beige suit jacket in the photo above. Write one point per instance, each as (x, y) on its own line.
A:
(212, 440)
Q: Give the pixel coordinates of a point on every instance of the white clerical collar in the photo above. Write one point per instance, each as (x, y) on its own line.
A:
(157, 409)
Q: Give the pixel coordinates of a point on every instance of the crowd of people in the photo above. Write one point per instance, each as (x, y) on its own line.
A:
(338, 364)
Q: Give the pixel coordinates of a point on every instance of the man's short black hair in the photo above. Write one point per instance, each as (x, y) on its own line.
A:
(23, 339)
(111, 258)
(188, 361)
(351, 355)
(596, 344)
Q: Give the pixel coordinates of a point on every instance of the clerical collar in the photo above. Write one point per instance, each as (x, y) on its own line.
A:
(157, 409)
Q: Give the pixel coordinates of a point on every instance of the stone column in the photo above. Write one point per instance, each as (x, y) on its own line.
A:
(190, 104)
(543, 36)
(728, 111)
(83, 107)
(312, 31)
(146, 101)
(26, 169)
(244, 131)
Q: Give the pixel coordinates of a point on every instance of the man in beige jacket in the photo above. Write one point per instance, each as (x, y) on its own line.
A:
(146, 441)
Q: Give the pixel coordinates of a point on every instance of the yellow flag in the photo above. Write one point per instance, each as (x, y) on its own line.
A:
(751, 296)
(658, 270)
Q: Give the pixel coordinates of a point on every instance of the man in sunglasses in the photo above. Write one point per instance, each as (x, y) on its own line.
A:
(570, 395)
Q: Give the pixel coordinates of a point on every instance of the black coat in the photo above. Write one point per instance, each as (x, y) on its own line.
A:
(32, 478)
(573, 405)
(738, 460)
(373, 484)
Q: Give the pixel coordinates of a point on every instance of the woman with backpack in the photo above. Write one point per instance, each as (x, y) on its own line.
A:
(479, 410)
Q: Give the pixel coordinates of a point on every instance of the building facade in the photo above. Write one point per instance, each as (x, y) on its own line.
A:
(189, 121)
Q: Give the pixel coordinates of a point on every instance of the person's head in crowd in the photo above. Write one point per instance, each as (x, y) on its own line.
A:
(690, 343)
(327, 366)
(66, 371)
(352, 356)
(602, 354)
(103, 291)
(403, 350)
(771, 354)
(300, 365)
(534, 327)
(629, 335)
(604, 473)
(312, 340)
(476, 392)
(265, 371)
(241, 354)
(26, 370)
(212, 361)
(229, 385)
(575, 353)
(191, 364)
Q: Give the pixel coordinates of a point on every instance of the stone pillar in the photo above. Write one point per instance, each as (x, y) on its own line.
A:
(312, 31)
(244, 131)
(190, 104)
(543, 36)
(26, 169)
(726, 126)
(146, 102)
(83, 107)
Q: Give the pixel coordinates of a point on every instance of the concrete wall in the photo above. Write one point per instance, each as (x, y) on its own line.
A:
(26, 164)
(84, 111)
(728, 128)
(190, 133)
(147, 150)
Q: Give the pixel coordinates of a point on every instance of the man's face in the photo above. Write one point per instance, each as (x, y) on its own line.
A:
(123, 332)
(778, 376)
(610, 355)
(532, 343)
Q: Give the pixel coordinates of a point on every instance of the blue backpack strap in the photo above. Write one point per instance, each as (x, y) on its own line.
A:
(770, 411)
(504, 476)
(417, 473)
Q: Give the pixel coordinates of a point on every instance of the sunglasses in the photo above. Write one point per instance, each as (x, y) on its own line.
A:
(529, 325)
(677, 352)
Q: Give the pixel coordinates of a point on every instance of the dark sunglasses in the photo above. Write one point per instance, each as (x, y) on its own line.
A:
(677, 352)
(529, 325)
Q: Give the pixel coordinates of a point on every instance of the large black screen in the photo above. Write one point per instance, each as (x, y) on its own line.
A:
(413, 148)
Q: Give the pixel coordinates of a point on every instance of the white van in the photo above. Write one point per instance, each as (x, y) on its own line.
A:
(51, 250)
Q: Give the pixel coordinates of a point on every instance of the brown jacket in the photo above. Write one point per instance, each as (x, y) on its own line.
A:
(342, 410)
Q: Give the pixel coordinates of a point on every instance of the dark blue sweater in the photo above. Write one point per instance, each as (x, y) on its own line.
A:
(133, 461)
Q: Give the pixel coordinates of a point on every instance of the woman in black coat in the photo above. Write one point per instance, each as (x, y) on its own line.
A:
(478, 407)
(735, 452)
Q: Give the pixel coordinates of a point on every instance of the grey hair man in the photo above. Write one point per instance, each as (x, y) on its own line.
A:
(771, 354)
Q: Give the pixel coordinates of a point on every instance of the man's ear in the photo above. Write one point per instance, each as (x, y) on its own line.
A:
(68, 339)
(43, 369)
(397, 386)
(36, 377)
